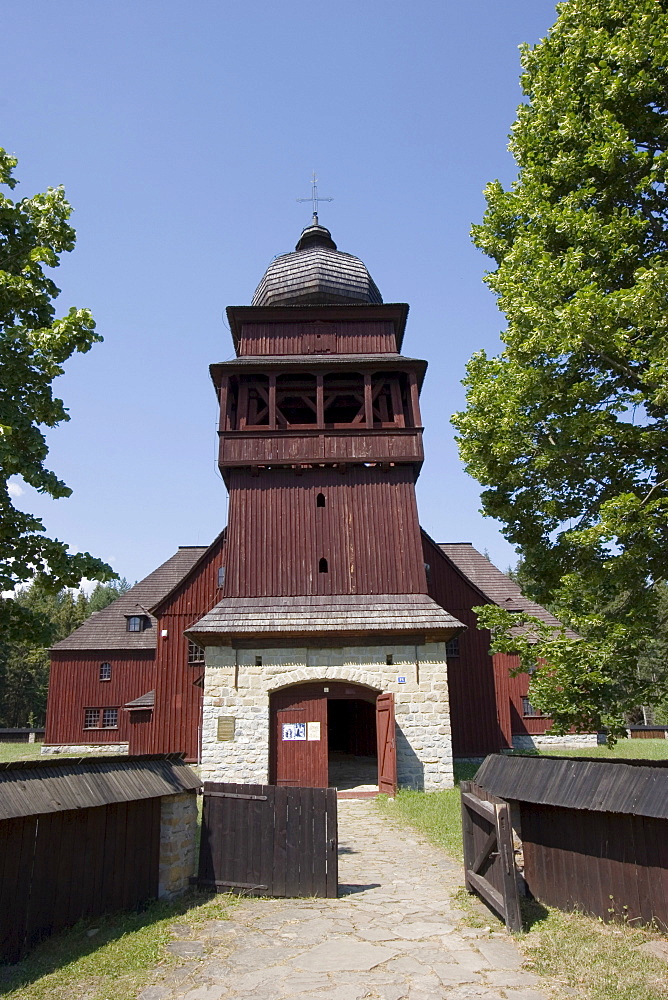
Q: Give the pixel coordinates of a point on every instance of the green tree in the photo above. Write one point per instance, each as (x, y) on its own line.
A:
(567, 429)
(34, 232)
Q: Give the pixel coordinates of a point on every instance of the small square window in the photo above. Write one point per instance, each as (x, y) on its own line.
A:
(109, 718)
(528, 711)
(136, 623)
(195, 653)
(92, 718)
(105, 671)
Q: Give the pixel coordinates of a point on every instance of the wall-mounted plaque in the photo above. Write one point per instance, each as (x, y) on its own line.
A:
(312, 730)
(226, 724)
(294, 731)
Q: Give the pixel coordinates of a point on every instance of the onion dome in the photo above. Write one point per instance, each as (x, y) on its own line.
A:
(316, 273)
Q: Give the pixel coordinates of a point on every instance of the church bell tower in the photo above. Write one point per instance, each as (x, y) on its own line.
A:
(324, 597)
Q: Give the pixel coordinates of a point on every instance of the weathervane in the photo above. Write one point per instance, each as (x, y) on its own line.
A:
(315, 198)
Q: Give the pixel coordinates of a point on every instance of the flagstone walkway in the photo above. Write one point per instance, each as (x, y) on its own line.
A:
(394, 932)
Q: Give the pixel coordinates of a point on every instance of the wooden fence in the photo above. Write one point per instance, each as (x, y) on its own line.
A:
(267, 840)
(489, 858)
(594, 832)
(58, 868)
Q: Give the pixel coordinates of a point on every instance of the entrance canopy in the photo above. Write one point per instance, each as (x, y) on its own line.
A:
(410, 617)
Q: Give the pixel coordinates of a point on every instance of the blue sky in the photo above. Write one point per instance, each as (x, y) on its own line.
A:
(184, 133)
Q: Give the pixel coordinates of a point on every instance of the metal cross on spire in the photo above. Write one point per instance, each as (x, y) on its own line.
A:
(315, 198)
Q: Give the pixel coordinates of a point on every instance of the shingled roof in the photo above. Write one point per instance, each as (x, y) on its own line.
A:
(498, 588)
(107, 629)
(347, 615)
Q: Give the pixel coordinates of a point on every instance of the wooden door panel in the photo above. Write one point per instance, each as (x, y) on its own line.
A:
(299, 761)
(387, 744)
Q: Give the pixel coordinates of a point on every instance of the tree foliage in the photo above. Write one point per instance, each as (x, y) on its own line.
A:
(34, 344)
(567, 429)
(24, 664)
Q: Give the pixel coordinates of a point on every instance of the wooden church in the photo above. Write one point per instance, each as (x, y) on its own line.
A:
(323, 637)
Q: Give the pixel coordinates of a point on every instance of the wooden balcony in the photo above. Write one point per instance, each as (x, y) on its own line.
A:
(306, 446)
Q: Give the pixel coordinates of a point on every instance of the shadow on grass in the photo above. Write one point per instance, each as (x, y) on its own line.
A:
(533, 913)
(88, 936)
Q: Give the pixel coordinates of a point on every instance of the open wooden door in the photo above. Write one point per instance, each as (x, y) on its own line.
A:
(299, 736)
(387, 744)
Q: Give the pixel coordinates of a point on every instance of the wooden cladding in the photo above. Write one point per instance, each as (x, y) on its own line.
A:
(367, 531)
(340, 337)
(62, 867)
(76, 684)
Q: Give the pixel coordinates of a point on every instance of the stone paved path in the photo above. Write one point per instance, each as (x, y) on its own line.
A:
(392, 934)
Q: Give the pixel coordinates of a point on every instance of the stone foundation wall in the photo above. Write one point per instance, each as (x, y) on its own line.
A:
(178, 843)
(85, 748)
(569, 740)
(235, 687)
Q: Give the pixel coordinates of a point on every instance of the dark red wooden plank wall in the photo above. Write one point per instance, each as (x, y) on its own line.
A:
(61, 867)
(477, 726)
(75, 684)
(612, 865)
(368, 532)
(300, 338)
(178, 695)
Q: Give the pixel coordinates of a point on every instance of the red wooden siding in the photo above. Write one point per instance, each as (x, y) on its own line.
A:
(75, 685)
(317, 338)
(178, 698)
(368, 532)
(513, 689)
(479, 725)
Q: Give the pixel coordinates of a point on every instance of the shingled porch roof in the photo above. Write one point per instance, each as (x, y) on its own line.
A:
(324, 617)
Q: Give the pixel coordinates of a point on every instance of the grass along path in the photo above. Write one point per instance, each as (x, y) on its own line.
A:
(110, 958)
(591, 960)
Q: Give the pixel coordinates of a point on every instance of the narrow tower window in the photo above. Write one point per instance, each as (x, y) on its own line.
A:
(320, 500)
(322, 566)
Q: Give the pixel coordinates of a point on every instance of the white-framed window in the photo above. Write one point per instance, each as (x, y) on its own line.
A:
(109, 718)
(91, 718)
(195, 653)
(105, 671)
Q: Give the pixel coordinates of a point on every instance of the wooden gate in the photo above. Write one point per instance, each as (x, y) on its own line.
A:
(489, 857)
(387, 744)
(265, 840)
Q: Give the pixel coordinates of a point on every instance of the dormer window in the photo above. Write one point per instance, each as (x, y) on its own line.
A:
(137, 623)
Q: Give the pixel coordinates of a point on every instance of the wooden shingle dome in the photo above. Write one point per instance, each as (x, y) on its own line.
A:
(316, 273)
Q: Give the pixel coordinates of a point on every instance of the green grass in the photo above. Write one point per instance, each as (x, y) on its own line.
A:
(19, 751)
(595, 961)
(624, 749)
(115, 962)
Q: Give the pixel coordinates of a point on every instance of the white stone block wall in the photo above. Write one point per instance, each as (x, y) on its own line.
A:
(521, 742)
(235, 686)
(178, 843)
(85, 748)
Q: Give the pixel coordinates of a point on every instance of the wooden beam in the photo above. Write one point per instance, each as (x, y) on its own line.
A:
(415, 399)
(223, 397)
(397, 405)
(320, 400)
(272, 402)
(368, 400)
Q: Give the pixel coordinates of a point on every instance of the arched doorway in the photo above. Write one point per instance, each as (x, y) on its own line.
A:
(332, 733)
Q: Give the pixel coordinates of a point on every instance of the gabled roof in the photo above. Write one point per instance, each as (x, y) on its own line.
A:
(107, 629)
(498, 588)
